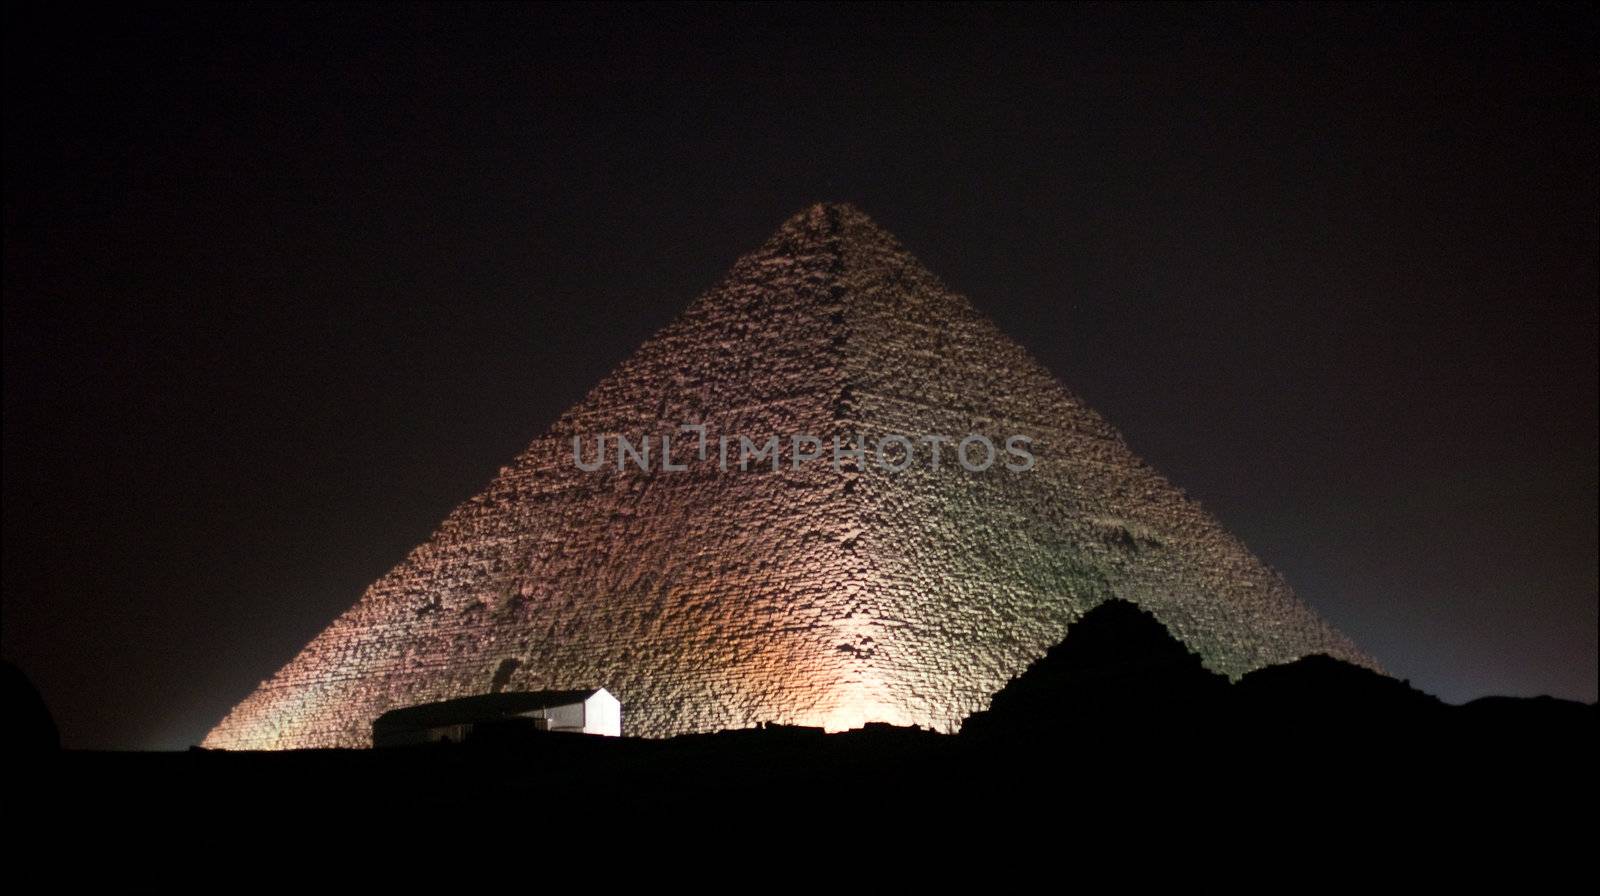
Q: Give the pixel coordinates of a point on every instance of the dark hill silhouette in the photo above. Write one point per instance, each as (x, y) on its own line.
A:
(1326, 693)
(1120, 676)
(1117, 663)
(1321, 680)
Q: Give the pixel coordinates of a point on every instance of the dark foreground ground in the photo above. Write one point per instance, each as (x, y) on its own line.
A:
(1118, 740)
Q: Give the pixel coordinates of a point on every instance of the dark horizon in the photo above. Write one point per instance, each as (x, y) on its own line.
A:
(285, 284)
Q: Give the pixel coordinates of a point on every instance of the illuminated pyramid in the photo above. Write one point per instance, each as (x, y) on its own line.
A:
(815, 594)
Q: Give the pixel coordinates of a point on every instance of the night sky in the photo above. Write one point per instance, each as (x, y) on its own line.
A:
(283, 285)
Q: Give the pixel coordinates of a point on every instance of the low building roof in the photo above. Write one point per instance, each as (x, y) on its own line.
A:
(479, 708)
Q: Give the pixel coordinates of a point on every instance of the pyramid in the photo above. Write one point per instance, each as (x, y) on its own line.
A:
(811, 594)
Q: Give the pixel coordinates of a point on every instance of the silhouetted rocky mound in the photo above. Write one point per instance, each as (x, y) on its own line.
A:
(1322, 689)
(1117, 663)
(1119, 672)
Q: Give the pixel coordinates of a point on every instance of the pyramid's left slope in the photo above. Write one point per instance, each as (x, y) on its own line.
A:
(662, 576)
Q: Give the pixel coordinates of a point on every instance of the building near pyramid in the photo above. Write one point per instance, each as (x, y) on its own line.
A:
(814, 593)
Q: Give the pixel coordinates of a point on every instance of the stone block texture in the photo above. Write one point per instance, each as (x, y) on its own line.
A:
(709, 599)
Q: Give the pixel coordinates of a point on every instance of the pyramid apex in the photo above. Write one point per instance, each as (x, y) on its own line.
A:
(837, 207)
(829, 218)
(834, 220)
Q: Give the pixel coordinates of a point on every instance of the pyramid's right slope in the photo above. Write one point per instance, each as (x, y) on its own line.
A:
(709, 599)
(1005, 562)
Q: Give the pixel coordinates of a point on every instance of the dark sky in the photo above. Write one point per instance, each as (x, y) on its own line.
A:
(282, 285)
